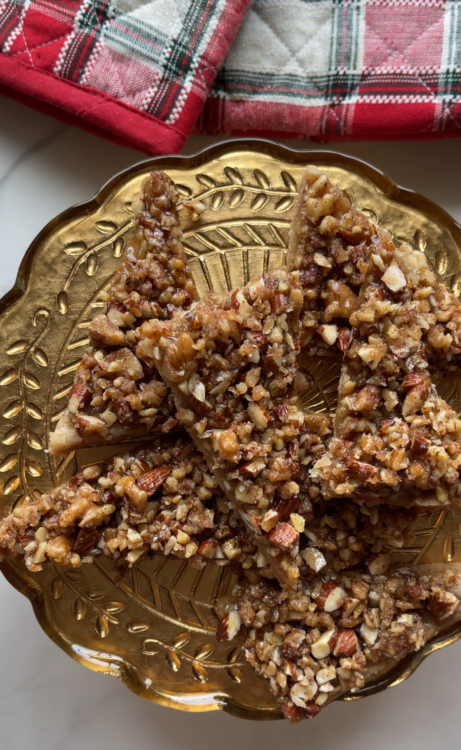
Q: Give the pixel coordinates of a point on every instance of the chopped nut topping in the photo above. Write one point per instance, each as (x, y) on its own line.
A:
(160, 498)
(308, 507)
(114, 396)
(307, 653)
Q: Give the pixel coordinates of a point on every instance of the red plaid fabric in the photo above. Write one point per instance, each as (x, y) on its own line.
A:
(341, 70)
(145, 72)
(136, 71)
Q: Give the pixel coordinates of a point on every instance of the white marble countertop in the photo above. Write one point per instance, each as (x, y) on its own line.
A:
(48, 701)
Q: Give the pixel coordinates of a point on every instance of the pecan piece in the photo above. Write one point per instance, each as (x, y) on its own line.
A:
(79, 395)
(411, 380)
(208, 549)
(123, 410)
(283, 536)
(258, 338)
(86, 539)
(292, 713)
(364, 401)
(285, 508)
(311, 710)
(278, 302)
(344, 337)
(415, 398)
(281, 412)
(352, 239)
(312, 276)
(442, 604)
(360, 469)
(251, 468)
(419, 444)
(228, 446)
(151, 481)
(358, 253)
(86, 424)
(104, 333)
(341, 301)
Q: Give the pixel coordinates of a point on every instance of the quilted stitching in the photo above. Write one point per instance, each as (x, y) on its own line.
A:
(336, 60)
(186, 31)
(404, 67)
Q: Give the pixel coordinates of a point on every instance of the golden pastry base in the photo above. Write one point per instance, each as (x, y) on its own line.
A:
(154, 626)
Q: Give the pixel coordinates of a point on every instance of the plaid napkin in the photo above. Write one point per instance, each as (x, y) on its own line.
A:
(142, 71)
(136, 71)
(341, 70)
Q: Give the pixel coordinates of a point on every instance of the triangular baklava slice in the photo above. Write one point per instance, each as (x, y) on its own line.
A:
(160, 498)
(392, 431)
(231, 364)
(394, 436)
(335, 634)
(116, 397)
(332, 243)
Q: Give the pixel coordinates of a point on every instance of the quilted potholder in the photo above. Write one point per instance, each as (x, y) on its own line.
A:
(341, 69)
(135, 71)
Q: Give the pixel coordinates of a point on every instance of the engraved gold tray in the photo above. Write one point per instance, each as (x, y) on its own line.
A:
(154, 626)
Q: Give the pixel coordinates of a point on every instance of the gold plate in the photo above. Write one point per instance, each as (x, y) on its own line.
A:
(154, 627)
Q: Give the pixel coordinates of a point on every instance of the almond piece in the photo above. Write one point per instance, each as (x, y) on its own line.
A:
(347, 643)
(198, 391)
(196, 208)
(270, 519)
(301, 693)
(258, 416)
(372, 354)
(407, 619)
(321, 648)
(329, 333)
(229, 626)
(379, 564)
(321, 260)
(314, 558)
(298, 522)
(283, 536)
(394, 278)
(369, 635)
(334, 600)
(151, 481)
(331, 597)
(325, 675)
(349, 606)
